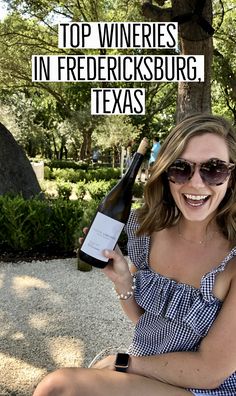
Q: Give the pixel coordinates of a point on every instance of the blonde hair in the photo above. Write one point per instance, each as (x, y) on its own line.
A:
(159, 210)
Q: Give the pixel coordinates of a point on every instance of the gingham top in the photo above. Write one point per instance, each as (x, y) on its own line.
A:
(177, 316)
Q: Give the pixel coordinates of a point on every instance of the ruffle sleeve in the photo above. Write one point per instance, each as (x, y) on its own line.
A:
(137, 247)
(182, 303)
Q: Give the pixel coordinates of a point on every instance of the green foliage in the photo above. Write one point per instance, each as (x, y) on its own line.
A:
(64, 221)
(81, 190)
(224, 63)
(98, 189)
(53, 119)
(89, 211)
(69, 175)
(103, 174)
(66, 164)
(15, 222)
(64, 190)
(115, 131)
(138, 190)
(47, 172)
(58, 223)
(33, 224)
(74, 176)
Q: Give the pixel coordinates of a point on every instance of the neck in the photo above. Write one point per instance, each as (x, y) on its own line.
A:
(196, 232)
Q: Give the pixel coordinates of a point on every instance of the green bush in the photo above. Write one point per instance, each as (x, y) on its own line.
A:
(14, 230)
(74, 176)
(138, 189)
(69, 175)
(80, 189)
(64, 190)
(62, 164)
(30, 224)
(47, 173)
(89, 211)
(98, 189)
(103, 174)
(65, 222)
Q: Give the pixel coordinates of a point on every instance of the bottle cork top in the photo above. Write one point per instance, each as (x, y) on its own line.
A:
(143, 146)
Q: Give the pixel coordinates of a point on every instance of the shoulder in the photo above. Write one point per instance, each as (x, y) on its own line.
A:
(230, 269)
(226, 272)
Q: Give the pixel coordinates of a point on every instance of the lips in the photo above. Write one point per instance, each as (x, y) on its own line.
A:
(195, 200)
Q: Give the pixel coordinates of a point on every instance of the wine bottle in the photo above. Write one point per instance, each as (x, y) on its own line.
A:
(111, 216)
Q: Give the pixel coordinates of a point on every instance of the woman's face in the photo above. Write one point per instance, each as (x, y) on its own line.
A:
(197, 200)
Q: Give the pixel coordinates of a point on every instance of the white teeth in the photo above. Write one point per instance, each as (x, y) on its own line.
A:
(196, 197)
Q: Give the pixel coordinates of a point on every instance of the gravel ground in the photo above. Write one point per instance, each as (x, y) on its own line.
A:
(52, 316)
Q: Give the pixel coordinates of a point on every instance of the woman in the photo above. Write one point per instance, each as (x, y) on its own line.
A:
(181, 290)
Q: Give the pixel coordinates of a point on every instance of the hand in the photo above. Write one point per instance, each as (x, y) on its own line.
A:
(107, 363)
(118, 270)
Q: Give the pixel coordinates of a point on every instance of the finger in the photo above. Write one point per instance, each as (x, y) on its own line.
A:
(81, 240)
(113, 254)
(117, 249)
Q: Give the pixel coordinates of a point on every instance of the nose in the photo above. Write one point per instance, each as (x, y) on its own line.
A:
(196, 180)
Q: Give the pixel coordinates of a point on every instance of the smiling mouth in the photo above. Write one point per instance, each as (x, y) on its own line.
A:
(196, 200)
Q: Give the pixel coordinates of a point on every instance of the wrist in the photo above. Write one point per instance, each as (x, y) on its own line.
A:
(132, 369)
(123, 281)
(122, 362)
(125, 290)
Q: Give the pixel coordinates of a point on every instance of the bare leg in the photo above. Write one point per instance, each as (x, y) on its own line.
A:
(95, 382)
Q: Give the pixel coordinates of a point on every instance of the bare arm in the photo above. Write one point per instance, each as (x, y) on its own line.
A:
(209, 366)
(120, 274)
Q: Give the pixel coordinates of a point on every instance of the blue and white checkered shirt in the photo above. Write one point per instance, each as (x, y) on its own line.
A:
(177, 316)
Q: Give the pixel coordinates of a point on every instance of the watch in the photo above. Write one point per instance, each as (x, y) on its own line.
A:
(122, 362)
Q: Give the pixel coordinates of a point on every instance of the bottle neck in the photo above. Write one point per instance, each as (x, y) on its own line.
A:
(133, 169)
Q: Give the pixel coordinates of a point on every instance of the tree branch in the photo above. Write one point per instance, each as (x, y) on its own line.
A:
(156, 13)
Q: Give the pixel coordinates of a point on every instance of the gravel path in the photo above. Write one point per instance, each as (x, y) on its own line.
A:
(52, 316)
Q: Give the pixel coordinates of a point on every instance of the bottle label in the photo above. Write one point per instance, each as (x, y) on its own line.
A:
(103, 234)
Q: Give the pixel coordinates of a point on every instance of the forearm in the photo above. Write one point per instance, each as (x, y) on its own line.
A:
(129, 305)
(132, 309)
(119, 272)
(184, 369)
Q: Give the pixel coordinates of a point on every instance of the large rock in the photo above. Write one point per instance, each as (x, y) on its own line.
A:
(16, 173)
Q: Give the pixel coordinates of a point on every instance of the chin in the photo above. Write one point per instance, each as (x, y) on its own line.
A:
(197, 217)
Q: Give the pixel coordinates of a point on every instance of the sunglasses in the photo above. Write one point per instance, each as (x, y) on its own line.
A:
(213, 172)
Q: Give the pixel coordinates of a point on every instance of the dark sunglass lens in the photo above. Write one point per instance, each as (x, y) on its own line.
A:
(179, 172)
(214, 172)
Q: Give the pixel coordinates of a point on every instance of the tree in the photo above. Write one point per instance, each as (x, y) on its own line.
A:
(59, 110)
(194, 40)
(224, 64)
(114, 133)
(16, 175)
(22, 37)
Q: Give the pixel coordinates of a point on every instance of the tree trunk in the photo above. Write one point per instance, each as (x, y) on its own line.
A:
(85, 151)
(16, 173)
(192, 97)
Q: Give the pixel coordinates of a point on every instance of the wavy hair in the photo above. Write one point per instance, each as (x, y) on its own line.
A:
(159, 210)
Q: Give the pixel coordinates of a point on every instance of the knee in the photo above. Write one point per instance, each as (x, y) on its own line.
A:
(57, 383)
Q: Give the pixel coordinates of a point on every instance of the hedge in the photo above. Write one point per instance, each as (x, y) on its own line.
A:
(33, 224)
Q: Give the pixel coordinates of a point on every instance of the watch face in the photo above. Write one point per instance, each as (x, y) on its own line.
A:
(122, 359)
